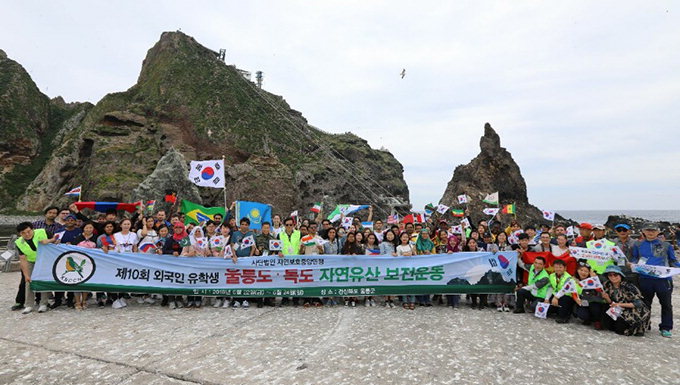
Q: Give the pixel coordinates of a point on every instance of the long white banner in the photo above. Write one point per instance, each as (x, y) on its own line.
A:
(71, 268)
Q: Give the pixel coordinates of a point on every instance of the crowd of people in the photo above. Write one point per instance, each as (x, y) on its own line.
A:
(623, 303)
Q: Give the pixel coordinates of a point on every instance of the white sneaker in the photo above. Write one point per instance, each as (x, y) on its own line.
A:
(225, 305)
(179, 304)
(123, 301)
(372, 302)
(367, 303)
(172, 305)
(140, 300)
(237, 304)
(506, 308)
(346, 303)
(353, 304)
(218, 303)
(246, 304)
(27, 310)
(499, 308)
(391, 304)
(149, 300)
(42, 308)
(117, 304)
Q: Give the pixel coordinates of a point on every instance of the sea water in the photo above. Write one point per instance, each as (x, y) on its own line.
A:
(600, 216)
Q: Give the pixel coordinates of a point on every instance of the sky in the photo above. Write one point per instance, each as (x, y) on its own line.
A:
(585, 95)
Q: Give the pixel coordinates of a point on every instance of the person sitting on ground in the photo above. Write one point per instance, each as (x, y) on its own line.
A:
(634, 312)
(590, 304)
(557, 298)
(537, 285)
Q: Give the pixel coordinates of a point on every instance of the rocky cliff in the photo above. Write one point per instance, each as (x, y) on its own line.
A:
(492, 170)
(187, 99)
(31, 124)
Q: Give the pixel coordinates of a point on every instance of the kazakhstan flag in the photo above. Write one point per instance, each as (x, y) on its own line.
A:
(255, 211)
(195, 213)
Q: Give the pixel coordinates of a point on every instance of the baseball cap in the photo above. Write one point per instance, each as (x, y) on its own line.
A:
(70, 216)
(622, 225)
(586, 225)
(599, 227)
(650, 226)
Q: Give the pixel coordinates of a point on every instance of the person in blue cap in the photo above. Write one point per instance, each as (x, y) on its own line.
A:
(652, 251)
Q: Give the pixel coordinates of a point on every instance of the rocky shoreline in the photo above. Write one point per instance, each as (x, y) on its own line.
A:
(13, 220)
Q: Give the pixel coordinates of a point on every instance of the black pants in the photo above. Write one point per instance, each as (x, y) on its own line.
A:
(591, 313)
(524, 296)
(619, 326)
(483, 298)
(565, 307)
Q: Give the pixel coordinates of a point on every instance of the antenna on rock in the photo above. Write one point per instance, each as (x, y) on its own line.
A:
(258, 77)
(222, 54)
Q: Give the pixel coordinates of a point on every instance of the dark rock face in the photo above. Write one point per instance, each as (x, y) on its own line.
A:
(669, 229)
(492, 170)
(187, 99)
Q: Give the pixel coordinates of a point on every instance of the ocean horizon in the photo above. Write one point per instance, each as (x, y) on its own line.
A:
(600, 216)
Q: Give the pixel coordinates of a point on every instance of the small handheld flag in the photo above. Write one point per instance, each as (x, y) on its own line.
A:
(591, 283)
(614, 312)
(442, 209)
(457, 229)
(171, 196)
(491, 199)
(247, 241)
(316, 208)
(393, 219)
(542, 310)
(549, 215)
(74, 192)
(274, 245)
(367, 225)
(308, 240)
(347, 222)
(462, 199)
(491, 211)
(228, 252)
(509, 209)
(458, 213)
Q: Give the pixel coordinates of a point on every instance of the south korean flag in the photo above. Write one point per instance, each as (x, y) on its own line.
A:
(207, 173)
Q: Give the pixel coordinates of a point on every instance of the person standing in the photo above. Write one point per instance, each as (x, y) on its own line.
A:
(27, 245)
(652, 251)
(625, 243)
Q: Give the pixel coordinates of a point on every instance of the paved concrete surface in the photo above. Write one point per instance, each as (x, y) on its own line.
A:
(148, 344)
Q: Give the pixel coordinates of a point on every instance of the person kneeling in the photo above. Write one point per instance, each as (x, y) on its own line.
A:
(537, 286)
(561, 286)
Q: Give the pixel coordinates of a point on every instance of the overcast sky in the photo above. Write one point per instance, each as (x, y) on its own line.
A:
(585, 95)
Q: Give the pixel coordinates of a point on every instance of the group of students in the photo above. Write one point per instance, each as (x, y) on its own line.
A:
(629, 293)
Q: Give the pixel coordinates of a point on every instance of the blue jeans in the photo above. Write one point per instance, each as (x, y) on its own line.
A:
(663, 289)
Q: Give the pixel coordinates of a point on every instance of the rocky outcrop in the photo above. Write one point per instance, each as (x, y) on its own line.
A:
(165, 177)
(492, 170)
(187, 99)
(667, 228)
(32, 126)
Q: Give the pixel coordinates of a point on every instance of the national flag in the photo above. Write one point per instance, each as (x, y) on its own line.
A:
(415, 218)
(491, 211)
(107, 240)
(105, 206)
(58, 236)
(509, 209)
(491, 199)
(345, 209)
(147, 247)
(171, 196)
(513, 238)
(347, 222)
(150, 205)
(275, 245)
(549, 215)
(207, 173)
(391, 219)
(247, 241)
(442, 209)
(195, 213)
(308, 240)
(570, 231)
(458, 213)
(185, 242)
(462, 199)
(74, 192)
(367, 225)
(465, 222)
(316, 208)
(294, 214)
(228, 252)
(591, 283)
(255, 211)
(568, 288)
(457, 229)
(614, 312)
(542, 309)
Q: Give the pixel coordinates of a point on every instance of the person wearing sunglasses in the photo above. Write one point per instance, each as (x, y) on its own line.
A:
(633, 317)
(625, 243)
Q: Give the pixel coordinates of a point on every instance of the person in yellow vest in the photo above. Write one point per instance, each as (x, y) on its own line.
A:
(561, 301)
(599, 242)
(537, 285)
(27, 244)
(290, 245)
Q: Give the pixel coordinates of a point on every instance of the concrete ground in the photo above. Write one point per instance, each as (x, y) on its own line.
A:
(148, 344)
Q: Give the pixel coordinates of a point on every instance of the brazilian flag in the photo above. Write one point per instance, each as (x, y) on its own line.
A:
(195, 213)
